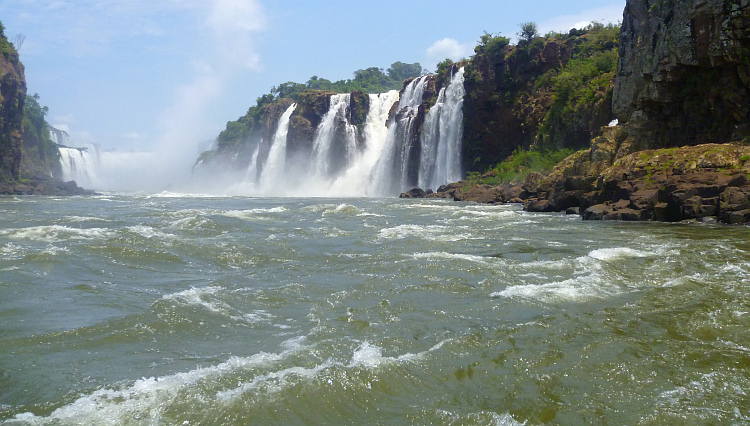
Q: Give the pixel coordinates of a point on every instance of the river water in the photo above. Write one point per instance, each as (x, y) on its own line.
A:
(186, 310)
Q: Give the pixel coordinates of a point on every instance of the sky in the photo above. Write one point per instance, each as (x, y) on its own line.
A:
(167, 75)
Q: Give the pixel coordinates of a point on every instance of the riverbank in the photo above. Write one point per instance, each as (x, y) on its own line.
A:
(43, 187)
(698, 183)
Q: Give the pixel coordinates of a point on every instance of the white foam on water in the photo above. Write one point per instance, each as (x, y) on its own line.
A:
(56, 233)
(274, 381)
(80, 219)
(574, 289)
(170, 194)
(198, 297)
(253, 214)
(482, 417)
(428, 232)
(366, 355)
(147, 399)
(609, 254)
(342, 209)
(692, 397)
(259, 316)
(445, 255)
(11, 251)
(151, 233)
(191, 223)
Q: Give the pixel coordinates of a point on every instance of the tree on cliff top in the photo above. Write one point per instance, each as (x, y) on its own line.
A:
(400, 71)
(528, 31)
(491, 44)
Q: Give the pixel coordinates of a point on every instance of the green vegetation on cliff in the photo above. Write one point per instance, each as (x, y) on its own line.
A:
(12, 98)
(582, 89)
(370, 80)
(545, 93)
(40, 154)
(519, 165)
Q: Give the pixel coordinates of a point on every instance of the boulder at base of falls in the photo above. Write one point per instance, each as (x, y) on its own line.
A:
(695, 183)
(43, 187)
(462, 191)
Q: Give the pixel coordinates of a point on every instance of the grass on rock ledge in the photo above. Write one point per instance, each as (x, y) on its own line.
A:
(519, 165)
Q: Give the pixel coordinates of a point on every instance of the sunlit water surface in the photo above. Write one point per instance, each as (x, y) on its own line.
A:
(180, 310)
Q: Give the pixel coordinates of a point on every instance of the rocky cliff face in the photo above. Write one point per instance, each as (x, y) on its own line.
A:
(684, 72)
(12, 100)
(682, 93)
(511, 101)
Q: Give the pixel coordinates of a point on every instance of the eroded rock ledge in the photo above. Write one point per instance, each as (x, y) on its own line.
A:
(43, 187)
(699, 183)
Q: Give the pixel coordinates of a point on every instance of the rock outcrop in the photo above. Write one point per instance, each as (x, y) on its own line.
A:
(507, 101)
(704, 182)
(684, 71)
(682, 94)
(12, 100)
(43, 187)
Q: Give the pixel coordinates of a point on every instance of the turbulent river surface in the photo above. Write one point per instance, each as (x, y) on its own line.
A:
(178, 310)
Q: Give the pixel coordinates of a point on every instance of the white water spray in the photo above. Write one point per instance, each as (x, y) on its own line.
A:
(80, 165)
(391, 174)
(325, 152)
(357, 180)
(441, 137)
(273, 172)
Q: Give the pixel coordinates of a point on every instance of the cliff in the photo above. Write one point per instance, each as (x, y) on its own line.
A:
(684, 72)
(681, 92)
(546, 92)
(12, 101)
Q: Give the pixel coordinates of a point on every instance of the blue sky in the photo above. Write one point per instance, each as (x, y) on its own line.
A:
(166, 75)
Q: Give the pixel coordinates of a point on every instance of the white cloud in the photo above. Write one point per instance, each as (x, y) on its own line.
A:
(448, 48)
(65, 119)
(604, 14)
(133, 136)
(234, 22)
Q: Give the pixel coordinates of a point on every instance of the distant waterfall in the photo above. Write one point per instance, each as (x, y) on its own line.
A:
(396, 147)
(441, 137)
(59, 137)
(80, 165)
(275, 168)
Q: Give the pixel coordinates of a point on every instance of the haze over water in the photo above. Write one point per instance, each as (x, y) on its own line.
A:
(174, 309)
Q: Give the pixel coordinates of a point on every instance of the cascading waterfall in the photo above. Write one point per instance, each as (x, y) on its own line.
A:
(441, 136)
(59, 137)
(383, 157)
(327, 156)
(357, 180)
(392, 172)
(276, 162)
(80, 165)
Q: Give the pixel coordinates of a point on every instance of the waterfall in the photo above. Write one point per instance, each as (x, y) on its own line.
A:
(392, 174)
(59, 137)
(274, 170)
(80, 165)
(398, 147)
(357, 180)
(441, 137)
(328, 144)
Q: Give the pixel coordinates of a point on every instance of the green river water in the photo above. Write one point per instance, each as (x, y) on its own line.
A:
(187, 310)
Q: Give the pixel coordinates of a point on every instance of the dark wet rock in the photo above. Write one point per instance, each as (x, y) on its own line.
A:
(43, 187)
(488, 194)
(413, 193)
